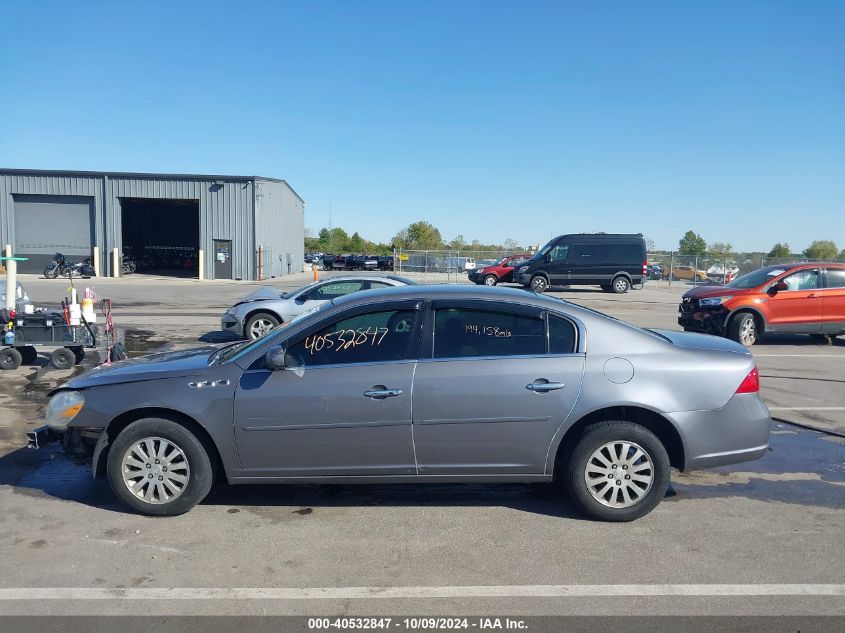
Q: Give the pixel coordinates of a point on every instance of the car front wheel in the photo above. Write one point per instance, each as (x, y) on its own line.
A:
(158, 467)
(260, 324)
(617, 471)
(743, 329)
(539, 284)
(490, 280)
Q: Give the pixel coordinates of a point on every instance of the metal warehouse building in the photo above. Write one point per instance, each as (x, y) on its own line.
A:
(212, 227)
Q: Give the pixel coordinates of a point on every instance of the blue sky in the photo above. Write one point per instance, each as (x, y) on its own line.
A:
(491, 119)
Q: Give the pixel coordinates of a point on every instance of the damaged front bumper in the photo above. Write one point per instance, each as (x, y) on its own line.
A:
(708, 320)
(76, 441)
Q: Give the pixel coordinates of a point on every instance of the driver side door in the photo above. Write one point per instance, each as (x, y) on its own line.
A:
(342, 405)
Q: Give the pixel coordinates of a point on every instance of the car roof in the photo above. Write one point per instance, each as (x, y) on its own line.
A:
(457, 291)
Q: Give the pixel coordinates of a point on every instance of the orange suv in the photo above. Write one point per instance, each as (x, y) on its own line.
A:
(795, 298)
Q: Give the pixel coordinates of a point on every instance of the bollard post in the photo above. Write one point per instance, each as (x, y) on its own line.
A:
(200, 264)
(115, 262)
(11, 279)
(671, 267)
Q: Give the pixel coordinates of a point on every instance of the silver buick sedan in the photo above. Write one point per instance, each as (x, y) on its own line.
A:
(423, 384)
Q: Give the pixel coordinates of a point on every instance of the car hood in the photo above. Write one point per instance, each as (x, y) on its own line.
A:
(189, 362)
(264, 293)
(693, 340)
(715, 291)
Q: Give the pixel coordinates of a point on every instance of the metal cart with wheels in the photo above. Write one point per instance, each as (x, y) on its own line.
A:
(48, 332)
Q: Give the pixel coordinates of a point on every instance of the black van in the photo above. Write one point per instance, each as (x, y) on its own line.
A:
(611, 260)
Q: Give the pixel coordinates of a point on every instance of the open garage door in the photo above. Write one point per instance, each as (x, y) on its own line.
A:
(45, 225)
(161, 235)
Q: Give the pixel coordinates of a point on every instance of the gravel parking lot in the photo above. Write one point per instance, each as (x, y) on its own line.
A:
(763, 538)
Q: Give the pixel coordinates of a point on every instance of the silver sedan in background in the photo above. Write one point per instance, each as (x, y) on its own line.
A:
(424, 384)
(266, 308)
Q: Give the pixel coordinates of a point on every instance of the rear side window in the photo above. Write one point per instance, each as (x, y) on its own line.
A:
(836, 277)
(561, 336)
(608, 253)
(467, 332)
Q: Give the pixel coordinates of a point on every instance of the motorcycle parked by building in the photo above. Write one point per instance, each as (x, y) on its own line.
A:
(60, 266)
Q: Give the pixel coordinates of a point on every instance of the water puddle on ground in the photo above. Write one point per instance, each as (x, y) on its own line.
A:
(801, 467)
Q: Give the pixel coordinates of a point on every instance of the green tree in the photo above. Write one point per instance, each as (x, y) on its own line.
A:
(721, 250)
(356, 243)
(692, 244)
(821, 249)
(841, 254)
(780, 250)
(457, 243)
(419, 236)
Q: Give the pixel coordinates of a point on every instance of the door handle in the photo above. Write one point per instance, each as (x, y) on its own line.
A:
(381, 393)
(813, 296)
(543, 387)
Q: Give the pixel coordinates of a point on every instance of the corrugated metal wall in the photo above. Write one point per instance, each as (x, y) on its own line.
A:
(227, 212)
(279, 228)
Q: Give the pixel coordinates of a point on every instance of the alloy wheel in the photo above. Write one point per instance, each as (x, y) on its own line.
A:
(260, 327)
(621, 284)
(155, 470)
(748, 332)
(619, 474)
(539, 284)
(489, 280)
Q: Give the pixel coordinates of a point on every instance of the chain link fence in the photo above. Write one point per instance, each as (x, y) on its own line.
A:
(700, 270)
(445, 266)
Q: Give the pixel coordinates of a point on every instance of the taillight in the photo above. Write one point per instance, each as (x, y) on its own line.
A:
(645, 268)
(751, 384)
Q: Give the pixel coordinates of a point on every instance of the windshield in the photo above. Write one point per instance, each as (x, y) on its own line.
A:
(546, 248)
(236, 350)
(756, 278)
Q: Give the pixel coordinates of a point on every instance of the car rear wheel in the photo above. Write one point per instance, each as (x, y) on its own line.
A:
(539, 283)
(617, 471)
(260, 324)
(621, 285)
(490, 280)
(743, 329)
(160, 468)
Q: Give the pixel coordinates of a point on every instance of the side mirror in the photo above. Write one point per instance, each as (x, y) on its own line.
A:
(778, 287)
(274, 359)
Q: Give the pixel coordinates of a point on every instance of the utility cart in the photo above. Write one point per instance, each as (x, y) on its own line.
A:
(47, 332)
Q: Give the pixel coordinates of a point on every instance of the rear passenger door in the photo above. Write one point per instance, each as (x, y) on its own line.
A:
(833, 301)
(491, 388)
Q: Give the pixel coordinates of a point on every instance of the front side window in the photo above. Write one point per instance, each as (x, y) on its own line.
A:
(836, 277)
(333, 290)
(365, 338)
(802, 280)
(468, 332)
(559, 253)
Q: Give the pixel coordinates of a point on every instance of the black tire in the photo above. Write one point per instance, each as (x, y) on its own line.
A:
(10, 358)
(28, 353)
(743, 329)
(593, 438)
(51, 272)
(620, 285)
(62, 358)
(198, 467)
(539, 283)
(490, 280)
(254, 324)
(78, 354)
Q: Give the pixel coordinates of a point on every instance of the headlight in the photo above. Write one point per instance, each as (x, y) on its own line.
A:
(522, 269)
(715, 301)
(232, 310)
(63, 407)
